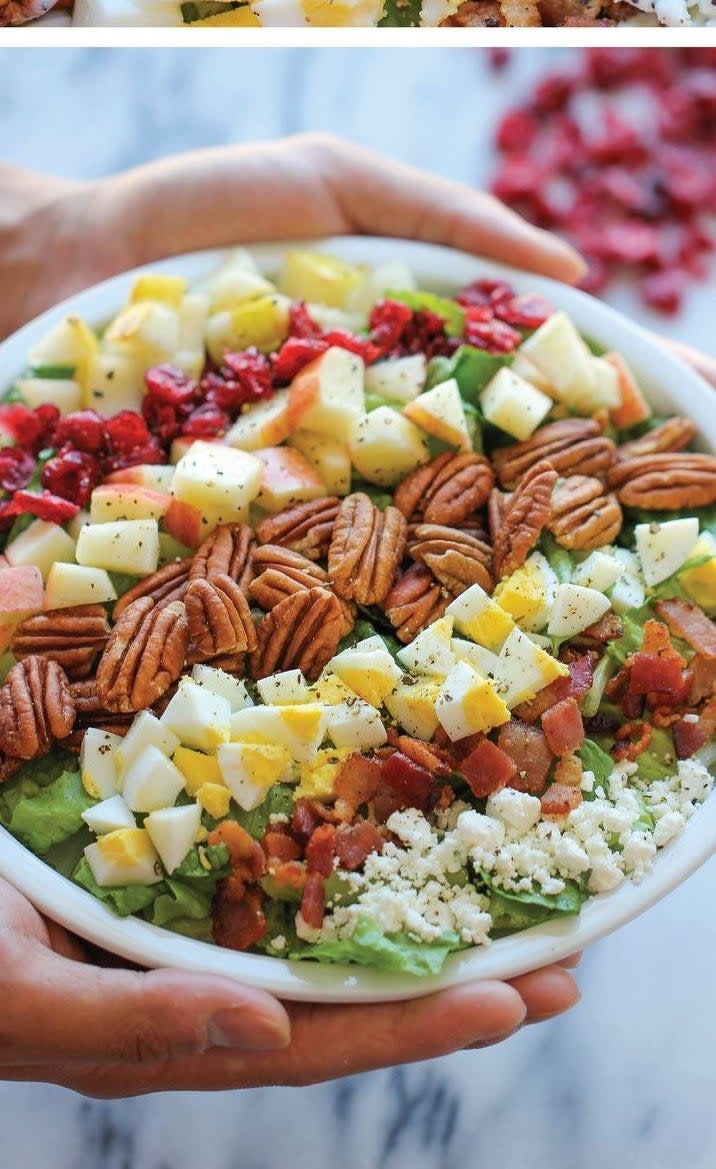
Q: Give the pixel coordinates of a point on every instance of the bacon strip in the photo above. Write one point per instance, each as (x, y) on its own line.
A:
(691, 624)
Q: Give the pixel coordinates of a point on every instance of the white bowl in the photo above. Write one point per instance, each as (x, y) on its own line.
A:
(671, 385)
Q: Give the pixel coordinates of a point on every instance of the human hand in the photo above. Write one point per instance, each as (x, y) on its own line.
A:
(58, 236)
(109, 1032)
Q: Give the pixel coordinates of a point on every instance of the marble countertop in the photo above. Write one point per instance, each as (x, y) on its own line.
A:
(625, 1078)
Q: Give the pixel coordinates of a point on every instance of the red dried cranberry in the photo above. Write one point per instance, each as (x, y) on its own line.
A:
(149, 452)
(170, 385)
(126, 431)
(29, 428)
(498, 58)
(388, 321)
(83, 429)
(554, 92)
(44, 505)
(206, 421)
(294, 354)
(494, 336)
(16, 467)
(362, 346)
(72, 474)
(527, 311)
(249, 372)
(665, 290)
(300, 321)
(517, 130)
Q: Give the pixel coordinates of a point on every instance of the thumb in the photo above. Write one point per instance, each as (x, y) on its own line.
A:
(56, 1009)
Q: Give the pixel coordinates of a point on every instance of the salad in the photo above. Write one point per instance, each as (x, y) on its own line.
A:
(343, 621)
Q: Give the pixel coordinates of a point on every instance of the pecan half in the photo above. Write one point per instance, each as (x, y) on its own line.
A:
(673, 435)
(496, 508)
(583, 514)
(144, 655)
(414, 601)
(366, 549)
(8, 766)
(226, 552)
(456, 559)
(571, 445)
(219, 617)
(665, 481)
(230, 663)
(165, 585)
(447, 489)
(283, 572)
(305, 528)
(36, 708)
(525, 516)
(300, 633)
(72, 637)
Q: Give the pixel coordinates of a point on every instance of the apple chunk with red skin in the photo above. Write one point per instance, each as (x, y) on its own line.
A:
(125, 501)
(328, 396)
(21, 594)
(158, 476)
(287, 478)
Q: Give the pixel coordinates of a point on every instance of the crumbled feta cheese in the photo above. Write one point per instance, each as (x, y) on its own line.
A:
(517, 809)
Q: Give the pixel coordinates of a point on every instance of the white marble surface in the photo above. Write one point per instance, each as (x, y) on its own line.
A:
(623, 1080)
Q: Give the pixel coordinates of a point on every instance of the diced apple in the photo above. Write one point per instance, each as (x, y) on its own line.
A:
(399, 378)
(262, 322)
(115, 381)
(173, 831)
(329, 458)
(236, 280)
(186, 523)
(317, 276)
(149, 330)
(73, 584)
(42, 544)
(70, 343)
(114, 501)
(633, 406)
(20, 592)
(287, 478)
(190, 361)
(264, 424)
(76, 524)
(130, 546)
(158, 476)
(385, 446)
(327, 395)
(219, 481)
(562, 357)
(606, 393)
(662, 548)
(168, 290)
(525, 368)
(575, 608)
(440, 412)
(513, 404)
(328, 318)
(390, 276)
(62, 392)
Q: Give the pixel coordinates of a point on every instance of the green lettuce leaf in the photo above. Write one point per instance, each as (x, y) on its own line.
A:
(659, 760)
(558, 558)
(181, 902)
(7, 661)
(398, 953)
(449, 310)
(51, 815)
(595, 760)
(279, 801)
(122, 582)
(124, 899)
(632, 637)
(61, 372)
(472, 369)
(606, 668)
(401, 14)
(512, 911)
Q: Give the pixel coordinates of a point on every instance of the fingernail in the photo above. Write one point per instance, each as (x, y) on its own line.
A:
(250, 1032)
(491, 1040)
(560, 1010)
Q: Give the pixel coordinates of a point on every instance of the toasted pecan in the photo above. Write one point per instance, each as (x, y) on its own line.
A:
(672, 435)
(144, 655)
(415, 601)
(447, 489)
(496, 508)
(366, 549)
(305, 527)
(583, 514)
(300, 633)
(72, 637)
(282, 572)
(165, 585)
(456, 559)
(525, 516)
(36, 708)
(219, 617)
(572, 445)
(226, 551)
(666, 481)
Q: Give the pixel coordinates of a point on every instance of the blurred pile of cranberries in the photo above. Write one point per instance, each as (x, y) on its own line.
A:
(618, 155)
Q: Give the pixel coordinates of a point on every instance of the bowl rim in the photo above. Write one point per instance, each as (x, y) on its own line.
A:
(442, 269)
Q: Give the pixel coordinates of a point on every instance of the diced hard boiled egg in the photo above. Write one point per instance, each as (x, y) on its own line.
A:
(513, 404)
(431, 651)
(108, 816)
(483, 660)
(700, 582)
(527, 594)
(173, 831)
(372, 674)
(199, 717)
(629, 591)
(662, 548)
(368, 644)
(215, 798)
(600, 570)
(225, 685)
(250, 769)
(130, 546)
(524, 669)
(330, 690)
(197, 768)
(412, 704)
(299, 729)
(575, 608)
(287, 688)
(43, 544)
(124, 857)
(71, 584)
(355, 724)
(98, 763)
(145, 731)
(440, 412)
(151, 781)
(480, 618)
(318, 778)
(468, 702)
(385, 446)
(399, 378)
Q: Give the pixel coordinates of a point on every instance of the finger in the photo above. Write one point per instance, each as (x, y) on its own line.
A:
(701, 362)
(546, 992)
(571, 962)
(57, 1010)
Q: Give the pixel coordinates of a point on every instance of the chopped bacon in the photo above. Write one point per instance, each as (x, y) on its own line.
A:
(355, 842)
(576, 685)
(689, 737)
(384, 803)
(304, 820)
(560, 799)
(568, 771)
(239, 842)
(280, 846)
(427, 755)
(409, 781)
(319, 850)
(527, 748)
(563, 727)
(290, 875)
(651, 672)
(627, 746)
(702, 671)
(313, 901)
(610, 627)
(487, 769)
(690, 623)
(657, 641)
(239, 921)
(358, 780)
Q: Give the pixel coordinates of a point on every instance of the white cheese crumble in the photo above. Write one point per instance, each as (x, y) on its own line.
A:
(408, 887)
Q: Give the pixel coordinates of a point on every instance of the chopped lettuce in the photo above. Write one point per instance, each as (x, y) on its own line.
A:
(511, 910)
(558, 558)
(52, 814)
(659, 759)
(123, 899)
(472, 369)
(632, 635)
(380, 498)
(60, 372)
(278, 801)
(397, 953)
(401, 14)
(605, 669)
(122, 582)
(595, 760)
(449, 310)
(7, 661)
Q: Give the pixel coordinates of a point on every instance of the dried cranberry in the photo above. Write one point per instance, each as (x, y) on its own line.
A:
(498, 58)
(362, 346)
(388, 321)
(517, 130)
(16, 467)
(149, 452)
(294, 354)
(83, 429)
(494, 336)
(665, 290)
(206, 421)
(554, 92)
(172, 386)
(72, 474)
(44, 505)
(29, 428)
(527, 311)
(251, 371)
(126, 431)
(300, 321)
